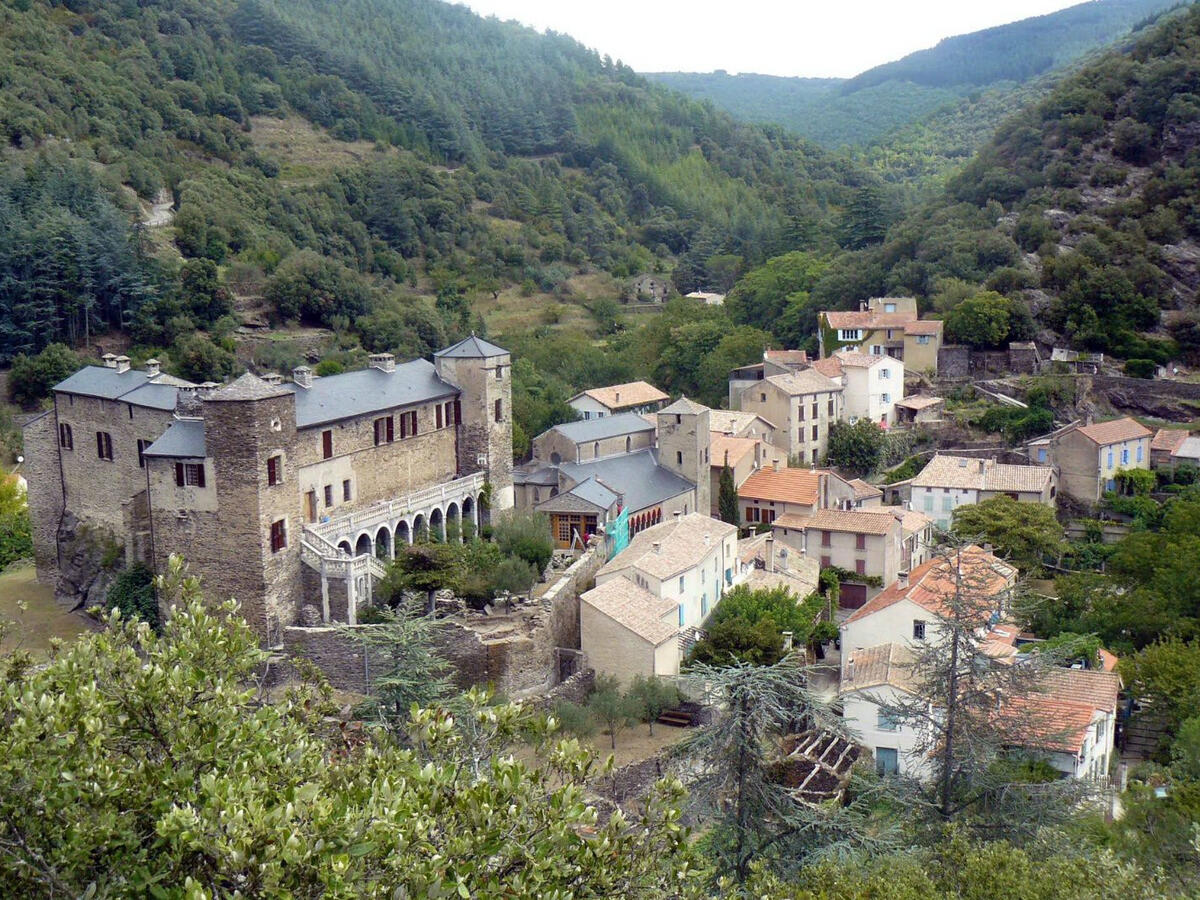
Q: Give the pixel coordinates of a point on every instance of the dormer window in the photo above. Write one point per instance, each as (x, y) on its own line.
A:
(849, 334)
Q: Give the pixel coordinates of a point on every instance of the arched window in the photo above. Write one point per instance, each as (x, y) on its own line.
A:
(628, 444)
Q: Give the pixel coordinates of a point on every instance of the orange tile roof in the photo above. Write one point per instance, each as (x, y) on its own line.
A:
(863, 490)
(869, 319)
(884, 664)
(1168, 439)
(1058, 716)
(830, 366)
(806, 381)
(736, 447)
(783, 486)
(1115, 431)
(930, 584)
(919, 401)
(853, 521)
(624, 396)
(786, 357)
(924, 326)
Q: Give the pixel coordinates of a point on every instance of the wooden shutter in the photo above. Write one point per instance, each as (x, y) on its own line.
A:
(200, 475)
(439, 415)
(179, 474)
(391, 428)
(412, 425)
(327, 443)
(403, 425)
(457, 411)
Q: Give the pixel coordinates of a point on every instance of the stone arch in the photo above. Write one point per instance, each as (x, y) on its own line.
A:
(403, 533)
(453, 521)
(470, 526)
(383, 544)
(420, 528)
(345, 547)
(437, 524)
(363, 544)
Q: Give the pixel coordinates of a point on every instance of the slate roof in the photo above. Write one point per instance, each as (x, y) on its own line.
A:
(782, 485)
(682, 546)
(248, 387)
(358, 393)
(543, 475)
(583, 430)
(635, 608)
(471, 348)
(932, 583)
(131, 386)
(624, 396)
(806, 381)
(970, 473)
(637, 476)
(1115, 431)
(183, 439)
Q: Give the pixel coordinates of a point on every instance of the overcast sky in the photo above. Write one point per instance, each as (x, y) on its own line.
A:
(774, 37)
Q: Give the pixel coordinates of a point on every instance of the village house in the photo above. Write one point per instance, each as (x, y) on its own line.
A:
(648, 601)
(774, 362)
(652, 469)
(738, 424)
(744, 456)
(883, 326)
(876, 544)
(1173, 447)
(708, 298)
(1067, 717)
(635, 397)
(910, 609)
(919, 409)
(766, 565)
(948, 482)
(866, 496)
(1088, 457)
(802, 405)
(776, 490)
(301, 484)
(871, 385)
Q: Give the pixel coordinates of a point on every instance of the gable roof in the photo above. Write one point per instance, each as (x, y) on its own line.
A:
(869, 319)
(879, 666)
(634, 608)
(924, 326)
(851, 521)
(863, 490)
(582, 430)
(830, 367)
(727, 421)
(351, 394)
(1114, 431)
(1169, 439)
(783, 485)
(624, 396)
(131, 386)
(919, 401)
(971, 473)
(930, 584)
(685, 407)
(806, 381)
(183, 439)
(786, 357)
(683, 543)
(1059, 715)
(637, 477)
(736, 447)
(860, 360)
(472, 348)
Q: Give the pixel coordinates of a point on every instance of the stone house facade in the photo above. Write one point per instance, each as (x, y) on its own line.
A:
(282, 495)
(802, 405)
(1088, 457)
(948, 482)
(883, 326)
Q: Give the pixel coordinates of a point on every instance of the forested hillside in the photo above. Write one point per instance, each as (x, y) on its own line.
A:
(1083, 211)
(474, 155)
(836, 112)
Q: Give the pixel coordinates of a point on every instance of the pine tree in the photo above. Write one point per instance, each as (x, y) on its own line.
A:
(727, 496)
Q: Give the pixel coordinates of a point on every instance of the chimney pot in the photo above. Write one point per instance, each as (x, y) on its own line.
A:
(384, 362)
(677, 513)
(272, 378)
(770, 552)
(657, 547)
(303, 376)
(122, 364)
(153, 367)
(902, 579)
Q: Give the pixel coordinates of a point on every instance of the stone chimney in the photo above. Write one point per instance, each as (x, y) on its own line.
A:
(902, 580)
(384, 362)
(153, 367)
(121, 364)
(775, 464)
(109, 360)
(677, 514)
(303, 376)
(616, 396)
(272, 378)
(657, 547)
(770, 553)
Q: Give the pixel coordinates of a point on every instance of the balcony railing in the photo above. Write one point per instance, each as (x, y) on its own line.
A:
(385, 512)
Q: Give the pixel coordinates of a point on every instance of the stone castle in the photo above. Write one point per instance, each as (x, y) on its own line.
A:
(283, 495)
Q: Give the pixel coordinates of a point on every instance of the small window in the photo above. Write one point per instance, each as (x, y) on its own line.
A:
(1110, 459)
(884, 373)
(922, 339)
(130, 412)
(1139, 452)
(278, 535)
(826, 562)
(1124, 456)
(679, 457)
(66, 440)
(884, 722)
(918, 630)
(385, 430)
(457, 411)
(274, 470)
(499, 373)
(826, 538)
(889, 307)
(681, 584)
(887, 761)
(346, 490)
(329, 495)
(104, 445)
(762, 398)
(860, 542)
(680, 615)
(439, 413)
(815, 433)
(816, 410)
(886, 398)
(595, 449)
(326, 444)
(499, 411)
(141, 447)
(1041, 454)
(860, 567)
(189, 474)
(678, 419)
(628, 444)
(831, 407)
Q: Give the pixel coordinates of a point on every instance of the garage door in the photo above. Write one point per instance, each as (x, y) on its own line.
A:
(852, 596)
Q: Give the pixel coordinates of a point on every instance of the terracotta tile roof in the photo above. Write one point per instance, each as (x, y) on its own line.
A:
(624, 396)
(970, 473)
(919, 401)
(728, 421)
(736, 447)
(786, 357)
(830, 367)
(1115, 431)
(635, 608)
(863, 490)
(806, 381)
(932, 583)
(924, 326)
(859, 360)
(682, 545)
(912, 521)
(791, 520)
(869, 319)
(1108, 660)
(874, 667)
(1168, 439)
(783, 485)
(1058, 716)
(853, 521)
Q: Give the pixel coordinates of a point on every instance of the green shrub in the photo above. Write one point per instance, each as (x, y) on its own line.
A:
(525, 535)
(514, 575)
(133, 594)
(32, 377)
(1140, 368)
(575, 719)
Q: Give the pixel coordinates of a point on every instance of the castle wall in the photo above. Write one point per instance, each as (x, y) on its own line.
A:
(45, 496)
(483, 435)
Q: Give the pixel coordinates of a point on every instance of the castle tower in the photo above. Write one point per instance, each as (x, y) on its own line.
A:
(483, 372)
(683, 447)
